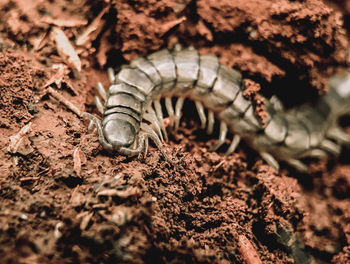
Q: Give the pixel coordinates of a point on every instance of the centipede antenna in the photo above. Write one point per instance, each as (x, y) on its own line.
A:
(92, 120)
(105, 144)
(132, 152)
(134, 144)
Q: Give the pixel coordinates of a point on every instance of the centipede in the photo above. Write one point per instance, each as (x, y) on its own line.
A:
(133, 111)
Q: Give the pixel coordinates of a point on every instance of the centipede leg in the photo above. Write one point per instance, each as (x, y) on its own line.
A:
(222, 136)
(234, 143)
(159, 114)
(314, 153)
(98, 104)
(270, 160)
(151, 117)
(178, 47)
(146, 147)
(297, 164)
(277, 104)
(170, 109)
(153, 136)
(211, 121)
(101, 91)
(331, 147)
(178, 107)
(111, 75)
(201, 113)
(337, 134)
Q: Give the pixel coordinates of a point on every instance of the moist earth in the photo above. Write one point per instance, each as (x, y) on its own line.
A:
(63, 199)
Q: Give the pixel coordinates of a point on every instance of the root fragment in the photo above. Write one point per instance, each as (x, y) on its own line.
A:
(65, 101)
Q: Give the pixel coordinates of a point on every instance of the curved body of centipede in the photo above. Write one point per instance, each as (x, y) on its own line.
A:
(133, 102)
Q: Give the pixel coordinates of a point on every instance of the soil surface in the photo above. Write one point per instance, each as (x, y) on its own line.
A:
(63, 199)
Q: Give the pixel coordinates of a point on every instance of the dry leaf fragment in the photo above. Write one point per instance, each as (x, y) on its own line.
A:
(25, 147)
(132, 191)
(40, 42)
(76, 199)
(119, 215)
(78, 159)
(65, 49)
(85, 221)
(58, 76)
(17, 140)
(69, 22)
(77, 162)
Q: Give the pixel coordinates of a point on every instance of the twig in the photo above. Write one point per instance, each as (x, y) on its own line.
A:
(65, 101)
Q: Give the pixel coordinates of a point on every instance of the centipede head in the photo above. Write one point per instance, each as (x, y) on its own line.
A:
(119, 133)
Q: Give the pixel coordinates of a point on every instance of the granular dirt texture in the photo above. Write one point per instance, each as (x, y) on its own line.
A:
(63, 199)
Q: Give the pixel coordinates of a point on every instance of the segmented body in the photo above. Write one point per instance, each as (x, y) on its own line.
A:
(133, 99)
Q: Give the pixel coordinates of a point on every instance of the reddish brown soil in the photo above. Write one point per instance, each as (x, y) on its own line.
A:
(64, 200)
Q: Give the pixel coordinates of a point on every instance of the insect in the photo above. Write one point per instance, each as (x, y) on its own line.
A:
(132, 112)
